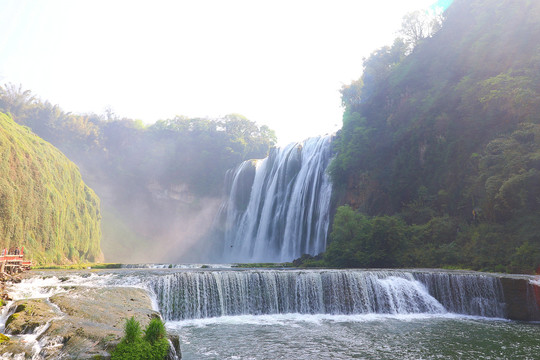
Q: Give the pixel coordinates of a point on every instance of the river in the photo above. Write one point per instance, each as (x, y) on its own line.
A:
(357, 337)
(320, 314)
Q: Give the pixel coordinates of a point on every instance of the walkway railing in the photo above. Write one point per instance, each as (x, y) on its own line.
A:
(14, 264)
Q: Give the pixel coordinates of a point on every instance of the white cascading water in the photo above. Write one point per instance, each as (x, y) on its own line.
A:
(473, 294)
(278, 207)
(204, 294)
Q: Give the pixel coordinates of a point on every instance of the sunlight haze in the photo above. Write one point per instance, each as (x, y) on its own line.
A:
(279, 63)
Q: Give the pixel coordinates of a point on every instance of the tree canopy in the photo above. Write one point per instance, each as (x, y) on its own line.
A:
(152, 179)
(444, 136)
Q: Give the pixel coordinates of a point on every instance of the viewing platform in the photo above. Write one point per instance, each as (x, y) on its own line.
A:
(14, 264)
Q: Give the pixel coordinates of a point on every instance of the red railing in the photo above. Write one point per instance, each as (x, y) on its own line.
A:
(11, 257)
(11, 263)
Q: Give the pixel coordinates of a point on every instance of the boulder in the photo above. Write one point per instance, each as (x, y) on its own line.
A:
(28, 316)
(83, 323)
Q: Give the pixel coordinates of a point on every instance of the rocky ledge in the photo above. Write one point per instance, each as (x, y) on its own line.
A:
(522, 298)
(82, 323)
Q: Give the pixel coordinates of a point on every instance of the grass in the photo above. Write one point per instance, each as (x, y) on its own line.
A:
(264, 265)
(44, 204)
(79, 266)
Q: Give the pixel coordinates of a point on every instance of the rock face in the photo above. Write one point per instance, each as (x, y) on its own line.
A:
(83, 323)
(522, 299)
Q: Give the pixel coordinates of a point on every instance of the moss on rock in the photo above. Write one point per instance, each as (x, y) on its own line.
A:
(29, 315)
(3, 338)
(44, 204)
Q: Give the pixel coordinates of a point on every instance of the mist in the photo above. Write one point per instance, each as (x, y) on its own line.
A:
(158, 232)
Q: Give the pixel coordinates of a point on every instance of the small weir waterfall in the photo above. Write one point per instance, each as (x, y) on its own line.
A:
(278, 207)
(304, 314)
(204, 294)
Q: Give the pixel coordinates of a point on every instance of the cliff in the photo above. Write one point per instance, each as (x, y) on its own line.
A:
(45, 206)
(445, 137)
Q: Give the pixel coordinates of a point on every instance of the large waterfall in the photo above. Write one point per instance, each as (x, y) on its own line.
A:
(203, 294)
(278, 207)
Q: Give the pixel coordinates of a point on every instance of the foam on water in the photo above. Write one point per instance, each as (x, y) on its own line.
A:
(362, 336)
(45, 286)
(293, 320)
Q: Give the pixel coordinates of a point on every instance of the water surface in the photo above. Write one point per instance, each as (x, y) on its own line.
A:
(309, 337)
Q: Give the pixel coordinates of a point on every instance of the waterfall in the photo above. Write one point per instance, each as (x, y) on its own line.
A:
(533, 298)
(202, 294)
(473, 294)
(278, 208)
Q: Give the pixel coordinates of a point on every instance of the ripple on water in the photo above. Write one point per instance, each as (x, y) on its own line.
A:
(311, 337)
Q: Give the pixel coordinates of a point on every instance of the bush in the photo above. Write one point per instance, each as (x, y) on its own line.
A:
(153, 346)
(360, 241)
(132, 330)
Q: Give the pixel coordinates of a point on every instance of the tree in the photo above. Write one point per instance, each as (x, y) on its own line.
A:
(15, 100)
(418, 25)
(359, 241)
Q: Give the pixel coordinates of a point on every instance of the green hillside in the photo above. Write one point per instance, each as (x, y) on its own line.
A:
(439, 155)
(44, 204)
(158, 184)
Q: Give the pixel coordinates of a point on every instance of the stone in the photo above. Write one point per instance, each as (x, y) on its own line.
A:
(174, 350)
(83, 323)
(28, 316)
(520, 299)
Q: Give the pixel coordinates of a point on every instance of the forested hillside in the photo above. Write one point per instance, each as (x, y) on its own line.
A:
(159, 184)
(439, 156)
(44, 204)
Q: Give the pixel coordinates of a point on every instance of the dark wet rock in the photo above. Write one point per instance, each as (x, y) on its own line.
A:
(521, 298)
(174, 350)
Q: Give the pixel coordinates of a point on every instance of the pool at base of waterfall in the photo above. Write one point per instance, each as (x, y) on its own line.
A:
(370, 336)
(258, 314)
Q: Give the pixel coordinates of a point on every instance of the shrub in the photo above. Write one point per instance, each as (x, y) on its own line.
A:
(153, 346)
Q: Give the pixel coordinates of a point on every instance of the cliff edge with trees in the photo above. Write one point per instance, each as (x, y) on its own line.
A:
(438, 160)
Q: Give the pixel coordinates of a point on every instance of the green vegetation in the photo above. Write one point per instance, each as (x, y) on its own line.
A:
(263, 265)
(12, 317)
(152, 346)
(80, 266)
(192, 151)
(44, 204)
(439, 156)
(153, 181)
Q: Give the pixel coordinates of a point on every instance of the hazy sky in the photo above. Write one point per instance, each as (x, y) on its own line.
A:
(279, 63)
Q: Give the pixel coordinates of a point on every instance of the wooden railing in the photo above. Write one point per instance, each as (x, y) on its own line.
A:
(14, 264)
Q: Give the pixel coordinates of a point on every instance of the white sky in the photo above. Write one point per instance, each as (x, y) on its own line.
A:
(279, 63)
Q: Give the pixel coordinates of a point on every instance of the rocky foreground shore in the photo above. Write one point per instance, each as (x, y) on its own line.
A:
(81, 323)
